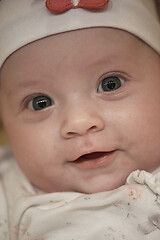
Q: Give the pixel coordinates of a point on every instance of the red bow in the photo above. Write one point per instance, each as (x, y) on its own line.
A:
(64, 5)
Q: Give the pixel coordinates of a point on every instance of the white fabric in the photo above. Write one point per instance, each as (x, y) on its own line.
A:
(129, 212)
(22, 22)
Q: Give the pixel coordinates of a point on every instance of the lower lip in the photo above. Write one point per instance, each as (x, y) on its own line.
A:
(100, 161)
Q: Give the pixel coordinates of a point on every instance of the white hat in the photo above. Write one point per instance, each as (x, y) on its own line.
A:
(24, 21)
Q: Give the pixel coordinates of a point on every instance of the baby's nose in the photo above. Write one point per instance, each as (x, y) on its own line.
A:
(80, 121)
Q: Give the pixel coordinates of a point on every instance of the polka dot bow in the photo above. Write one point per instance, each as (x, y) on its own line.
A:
(64, 5)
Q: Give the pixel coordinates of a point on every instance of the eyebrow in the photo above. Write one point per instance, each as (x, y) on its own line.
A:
(27, 83)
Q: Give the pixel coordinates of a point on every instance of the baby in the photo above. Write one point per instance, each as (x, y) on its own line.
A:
(80, 104)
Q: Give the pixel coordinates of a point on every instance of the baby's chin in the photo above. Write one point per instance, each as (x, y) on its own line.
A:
(99, 189)
(103, 184)
(87, 189)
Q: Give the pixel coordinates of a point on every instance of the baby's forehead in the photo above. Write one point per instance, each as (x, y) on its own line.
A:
(104, 42)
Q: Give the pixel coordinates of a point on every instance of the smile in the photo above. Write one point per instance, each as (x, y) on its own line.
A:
(94, 160)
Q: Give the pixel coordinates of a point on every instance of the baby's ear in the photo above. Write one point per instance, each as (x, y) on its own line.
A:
(0, 114)
(0, 106)
(3, 138)
(158, 7)
(0, 124)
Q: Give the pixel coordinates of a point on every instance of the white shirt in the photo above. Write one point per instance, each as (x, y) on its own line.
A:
(126, 213)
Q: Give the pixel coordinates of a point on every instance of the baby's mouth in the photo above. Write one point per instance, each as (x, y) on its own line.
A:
(94, 159)
(91, 156)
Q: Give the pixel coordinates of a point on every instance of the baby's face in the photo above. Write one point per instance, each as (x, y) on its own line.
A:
(82, 109)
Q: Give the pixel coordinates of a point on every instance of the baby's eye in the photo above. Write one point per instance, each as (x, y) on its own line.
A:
(40, 102)
(111, 83)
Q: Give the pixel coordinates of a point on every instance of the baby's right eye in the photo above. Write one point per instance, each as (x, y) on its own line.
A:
(40, 102)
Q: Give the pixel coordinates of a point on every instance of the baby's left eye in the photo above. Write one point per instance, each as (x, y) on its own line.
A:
(111, 83)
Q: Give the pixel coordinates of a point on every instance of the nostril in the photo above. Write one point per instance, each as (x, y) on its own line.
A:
(81, 132)
(71, 134)
(93, 128)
